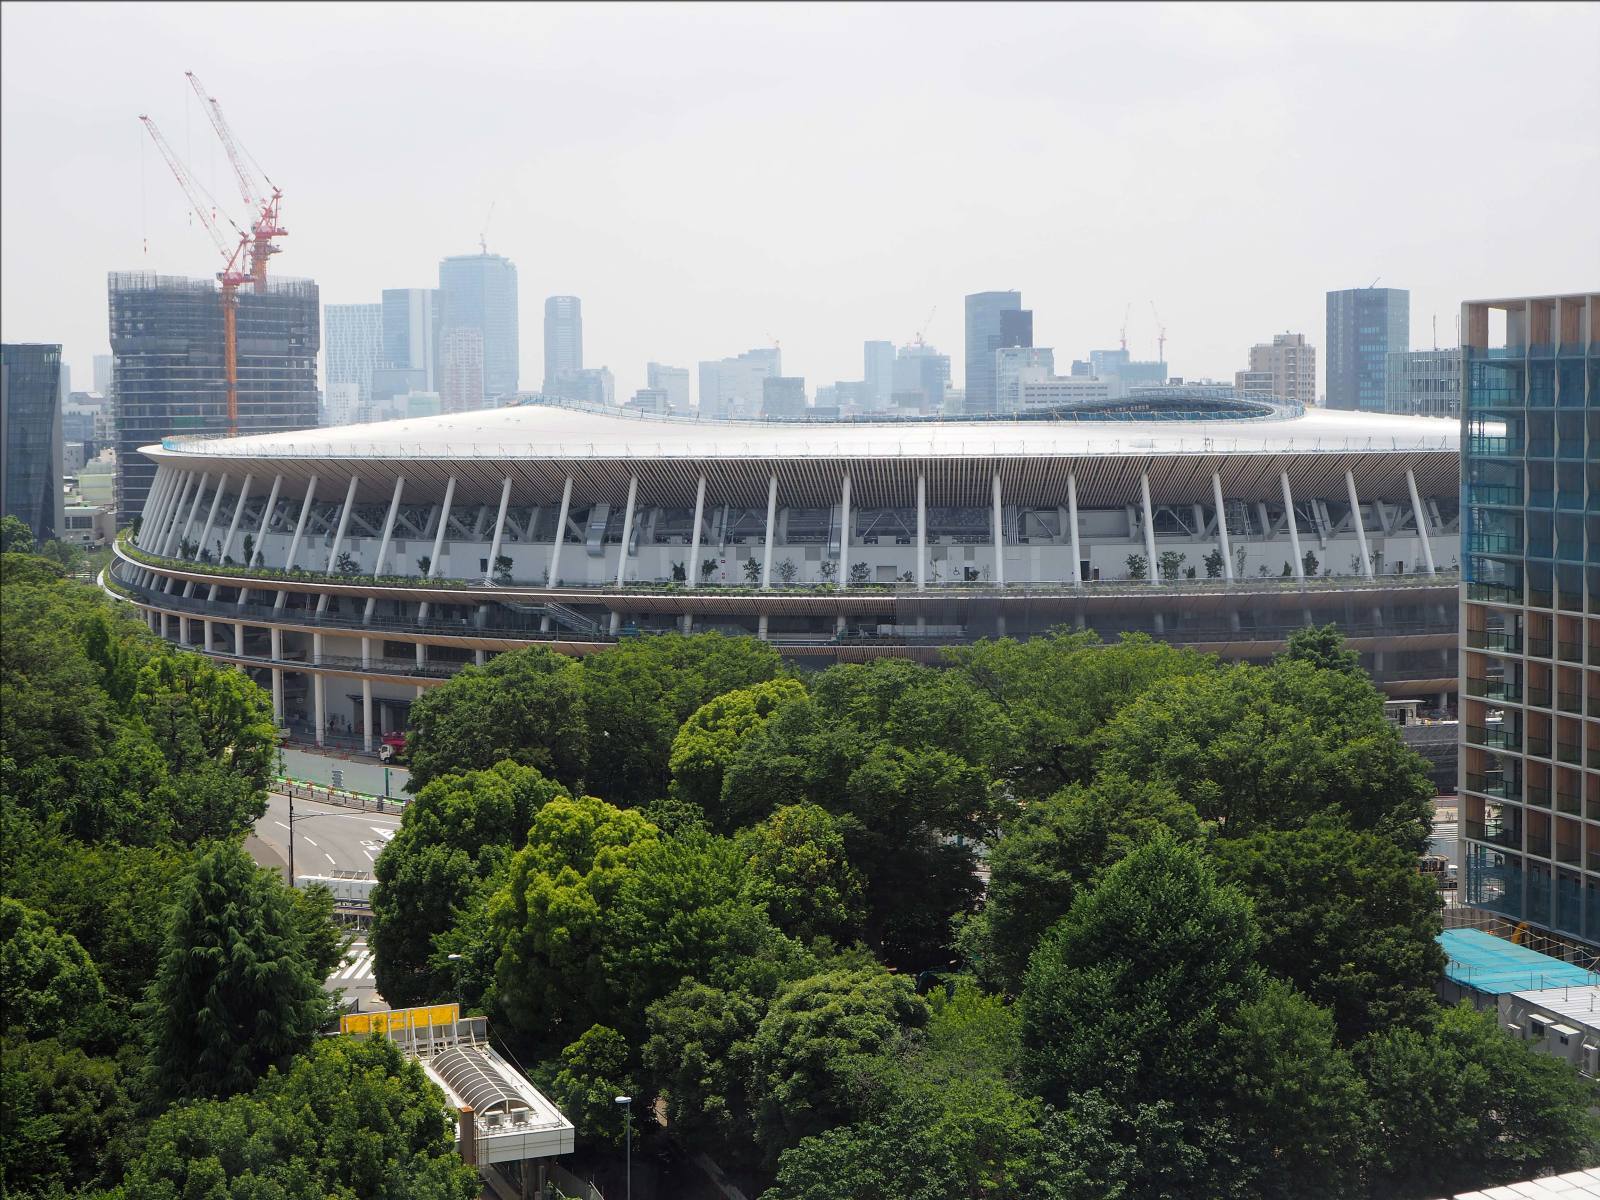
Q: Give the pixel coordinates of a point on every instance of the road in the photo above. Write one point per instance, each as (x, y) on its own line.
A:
(328, 838)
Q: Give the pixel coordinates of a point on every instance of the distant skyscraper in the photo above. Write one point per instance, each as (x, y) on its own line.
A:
(674, 381)
(1287, 367)
(411, 320)
(989, 328)
(461, 370)
(878, 373)
(30, 437)
(353, 340)
(1424, 383)
(1365, 326)
(921, 375)
(651, 400)
(592, 385)
(1118, 368)
(783, 396)
(563, 337)
(479, 291)
(731, 387)
(167, 343)
(102, 374)
(1010, 365)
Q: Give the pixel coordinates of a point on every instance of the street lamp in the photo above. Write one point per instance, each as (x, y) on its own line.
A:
(627, 1134)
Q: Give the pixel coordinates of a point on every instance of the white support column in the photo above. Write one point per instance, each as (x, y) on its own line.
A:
(153, 529)
(238, 639)
(999, 537)
(366, 715)
(772, 524)
(1151, 575)
(843, 575)
(561, 534)
(277, 644)
(366, 653)
(692, 575)
(238, 513)
(383, 544)
(194, 508)
(211, 516)
(299, 532)
(171, 534)
(479, 657)
(1294, 528)
(320, 692)
(205, 634)
(1420, 515)
(622, 557)
(160, 491)
(338, 537)
(1072, 523)
(922, 531)
(422, 655)
(316, 649)
(438, 550)
(277, 695)
(1222, 527)
(499, 530)
(1355, 519)
(261, 529)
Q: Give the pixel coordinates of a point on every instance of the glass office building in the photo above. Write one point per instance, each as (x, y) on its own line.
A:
(30, 436)
(1365, 325)
(1530, 623)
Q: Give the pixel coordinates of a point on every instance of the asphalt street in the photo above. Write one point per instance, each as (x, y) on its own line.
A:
(328, 838)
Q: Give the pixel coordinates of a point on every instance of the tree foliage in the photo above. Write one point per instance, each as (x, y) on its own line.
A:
(797, 870)
(713, 734)
(239, 988)
(46, 979)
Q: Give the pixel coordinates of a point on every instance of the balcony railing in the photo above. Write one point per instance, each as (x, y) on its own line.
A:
(1570, 803)
(1539, 647)
(1569, 702)
(1571, 652)
(1539, 745)
(1538, 696)
(1494, 640)
(1492, 785)
(1536, 796)
(1497, 739)
(1493, 689)
(1569, 752)
(1494, 832)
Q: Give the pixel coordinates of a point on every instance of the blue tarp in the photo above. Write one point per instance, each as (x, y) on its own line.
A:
(1495, 966)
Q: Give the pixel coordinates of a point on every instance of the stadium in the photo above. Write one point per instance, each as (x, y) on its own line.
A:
(353, 567)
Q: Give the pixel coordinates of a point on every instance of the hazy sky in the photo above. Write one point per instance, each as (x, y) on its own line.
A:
(711, 178)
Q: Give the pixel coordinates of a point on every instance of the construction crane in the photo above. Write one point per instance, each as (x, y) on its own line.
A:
(263, 205)
(1125, 313)
(927, 323)
(1161, 334)
(231, 276)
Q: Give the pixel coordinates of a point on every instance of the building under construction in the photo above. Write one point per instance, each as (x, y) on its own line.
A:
(169, 373)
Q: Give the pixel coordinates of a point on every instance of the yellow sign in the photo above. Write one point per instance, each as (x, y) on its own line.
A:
(400, 1020)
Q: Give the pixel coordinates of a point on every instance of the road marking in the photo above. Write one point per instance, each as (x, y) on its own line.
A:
(386, 834)
(280, 825)
(309, 842)
(358, 968)
(371, 855)
(329, 857)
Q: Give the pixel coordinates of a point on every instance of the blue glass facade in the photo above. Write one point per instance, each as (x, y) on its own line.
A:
(1365, 325)
(1530, 728)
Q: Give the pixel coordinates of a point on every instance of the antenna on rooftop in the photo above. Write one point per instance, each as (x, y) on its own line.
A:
(483, 234)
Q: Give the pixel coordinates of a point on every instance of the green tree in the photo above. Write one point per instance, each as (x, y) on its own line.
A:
(549, 918)
(713, 734)
(1322, 646)
(900, 1154)
(15, 536)
(1214, 564)
(816, 1043)
(637, 694)
(1347, 918)
(46, 979)
(1058, 692)
(1138, 566)
(1270, 747)
(1056, 847)
(1131, 992)
(698, 1054)
(593, 1073)
(66, 1119)
(797, 870)
(525, 706)
(238, 989)
(1460, 1105)
(348, 1119)
(456, 833)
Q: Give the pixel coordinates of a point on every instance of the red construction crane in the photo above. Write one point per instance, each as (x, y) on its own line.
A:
(231, 275)
(264, 225)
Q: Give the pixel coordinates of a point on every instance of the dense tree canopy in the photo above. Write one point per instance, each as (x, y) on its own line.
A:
(239, 988)
(525, 706)
(713, 734)
(46, 979)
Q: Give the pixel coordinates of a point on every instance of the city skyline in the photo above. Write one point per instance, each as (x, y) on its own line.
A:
(703, 268)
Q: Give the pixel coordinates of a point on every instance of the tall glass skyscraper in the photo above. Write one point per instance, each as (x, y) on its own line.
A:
(479, 291)
(994, 319)
(411, 333)
(1530, 615)
(1365, 326)
(30, 436)
(563, 339)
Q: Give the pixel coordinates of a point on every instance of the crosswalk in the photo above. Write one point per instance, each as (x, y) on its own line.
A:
(356, 969)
